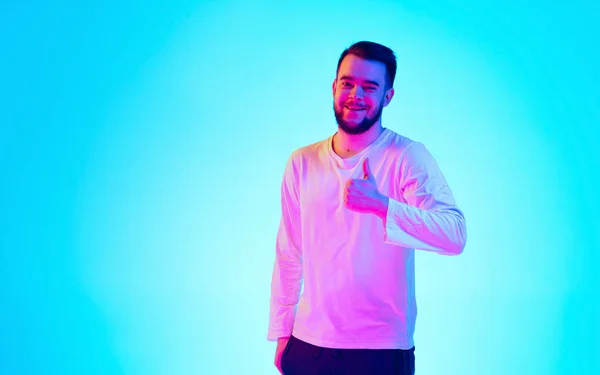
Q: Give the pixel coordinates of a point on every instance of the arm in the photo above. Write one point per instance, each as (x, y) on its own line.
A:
(287, 271)
(430, 219)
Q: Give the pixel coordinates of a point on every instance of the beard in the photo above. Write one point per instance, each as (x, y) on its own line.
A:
(362, 126)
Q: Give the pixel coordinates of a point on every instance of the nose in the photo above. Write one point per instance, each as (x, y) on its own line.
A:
(356, 92)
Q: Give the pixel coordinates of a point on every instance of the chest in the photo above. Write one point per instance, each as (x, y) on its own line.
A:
(323, 183)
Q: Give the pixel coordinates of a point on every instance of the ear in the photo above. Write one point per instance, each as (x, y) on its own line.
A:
(388, 97)
(333, 87)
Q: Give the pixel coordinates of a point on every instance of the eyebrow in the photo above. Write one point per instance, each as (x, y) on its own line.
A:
(350, 78)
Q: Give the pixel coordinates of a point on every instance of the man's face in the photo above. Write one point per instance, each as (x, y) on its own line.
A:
(359, 94)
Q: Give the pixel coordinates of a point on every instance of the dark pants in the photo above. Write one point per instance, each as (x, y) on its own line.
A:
(302, 358)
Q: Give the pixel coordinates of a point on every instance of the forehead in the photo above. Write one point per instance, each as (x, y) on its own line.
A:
(361, 69)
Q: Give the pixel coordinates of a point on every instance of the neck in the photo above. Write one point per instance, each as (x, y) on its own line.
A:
(344, 143)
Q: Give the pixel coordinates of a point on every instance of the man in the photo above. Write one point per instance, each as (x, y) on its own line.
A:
(354, 208)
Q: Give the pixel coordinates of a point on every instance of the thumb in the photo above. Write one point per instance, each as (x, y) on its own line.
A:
(367, 170)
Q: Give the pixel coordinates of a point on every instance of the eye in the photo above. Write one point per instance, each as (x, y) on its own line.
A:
(370, 88)
(346, 84)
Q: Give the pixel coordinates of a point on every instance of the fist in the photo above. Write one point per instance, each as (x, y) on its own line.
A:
(362, 194)
(281, 344)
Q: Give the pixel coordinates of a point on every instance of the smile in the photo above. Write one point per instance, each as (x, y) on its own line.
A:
(355, 108)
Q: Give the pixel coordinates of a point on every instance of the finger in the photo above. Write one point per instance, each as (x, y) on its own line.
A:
(367, 170)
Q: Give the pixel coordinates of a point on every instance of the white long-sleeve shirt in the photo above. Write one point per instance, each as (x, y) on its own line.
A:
(357, 269)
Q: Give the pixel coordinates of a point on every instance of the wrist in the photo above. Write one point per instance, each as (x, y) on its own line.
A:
(382, 206)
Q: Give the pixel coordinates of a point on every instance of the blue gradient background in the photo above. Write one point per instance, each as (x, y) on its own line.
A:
(142, 147)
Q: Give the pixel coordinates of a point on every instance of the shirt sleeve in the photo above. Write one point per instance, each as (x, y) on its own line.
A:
(287, 274)
(430, 219)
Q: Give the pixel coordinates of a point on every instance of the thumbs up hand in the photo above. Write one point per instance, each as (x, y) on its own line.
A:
(362, 194)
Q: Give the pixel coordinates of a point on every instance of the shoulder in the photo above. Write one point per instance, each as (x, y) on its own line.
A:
(408, 151)
(311, 151)
(399, 145)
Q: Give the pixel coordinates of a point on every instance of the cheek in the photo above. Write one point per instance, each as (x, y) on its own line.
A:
(338, 98)
(374, 104)
(339, 102)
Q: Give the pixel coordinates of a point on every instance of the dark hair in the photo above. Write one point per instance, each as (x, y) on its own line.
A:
(375, 52)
